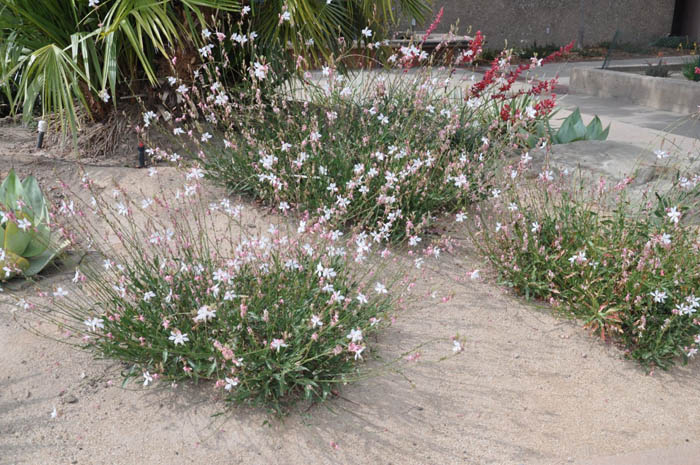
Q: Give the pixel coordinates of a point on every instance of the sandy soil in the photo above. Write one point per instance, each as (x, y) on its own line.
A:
(529, 388)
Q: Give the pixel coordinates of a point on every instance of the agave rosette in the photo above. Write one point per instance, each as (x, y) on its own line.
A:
(25, 235)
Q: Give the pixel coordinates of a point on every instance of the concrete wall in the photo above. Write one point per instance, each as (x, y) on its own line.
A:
(676, 95)
(523, 22)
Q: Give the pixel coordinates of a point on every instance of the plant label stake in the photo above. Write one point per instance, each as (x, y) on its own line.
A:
(142, 155)
(42, 130)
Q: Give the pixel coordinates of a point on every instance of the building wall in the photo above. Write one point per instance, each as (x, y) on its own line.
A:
(690, 19)
(588, 22)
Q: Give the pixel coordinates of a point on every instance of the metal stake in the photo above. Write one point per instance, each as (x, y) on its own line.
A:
(42, 130)
(142, 155)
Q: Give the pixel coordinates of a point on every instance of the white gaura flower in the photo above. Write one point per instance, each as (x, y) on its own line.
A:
(231, 383)
(178, 337)
(316, 321)
(277, 344)
(94, 323)
(355, 335)
(260, 70)
(195, 173)
(547, 175)
(379, 288)
(673, 215)
(367, 32)
(661, 154)
(666, 239)
(414, 240)
(148, 117)
(659, 296)
(60, 292)
(205, 313)
(24, 224)
(147, 378)
(362, 298)
(579, 258)
(122, 209)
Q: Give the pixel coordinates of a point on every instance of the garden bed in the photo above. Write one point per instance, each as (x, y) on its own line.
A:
(680, 96)
(547, 367)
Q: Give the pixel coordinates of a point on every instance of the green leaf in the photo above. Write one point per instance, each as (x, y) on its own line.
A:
(38, 263)
(8, 190)
(34, 200)
(40, 241)
(572, 129)
(16, 240)
(211, 369)
(595, 131)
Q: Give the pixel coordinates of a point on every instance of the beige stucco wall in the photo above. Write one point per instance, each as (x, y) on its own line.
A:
(523, 22)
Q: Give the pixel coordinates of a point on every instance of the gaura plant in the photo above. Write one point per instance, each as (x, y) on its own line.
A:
(24, 234)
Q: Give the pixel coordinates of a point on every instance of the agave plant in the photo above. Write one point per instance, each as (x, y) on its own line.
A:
(573, 129)
(25, 234)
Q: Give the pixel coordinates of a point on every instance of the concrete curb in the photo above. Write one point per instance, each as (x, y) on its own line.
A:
(660, 93)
